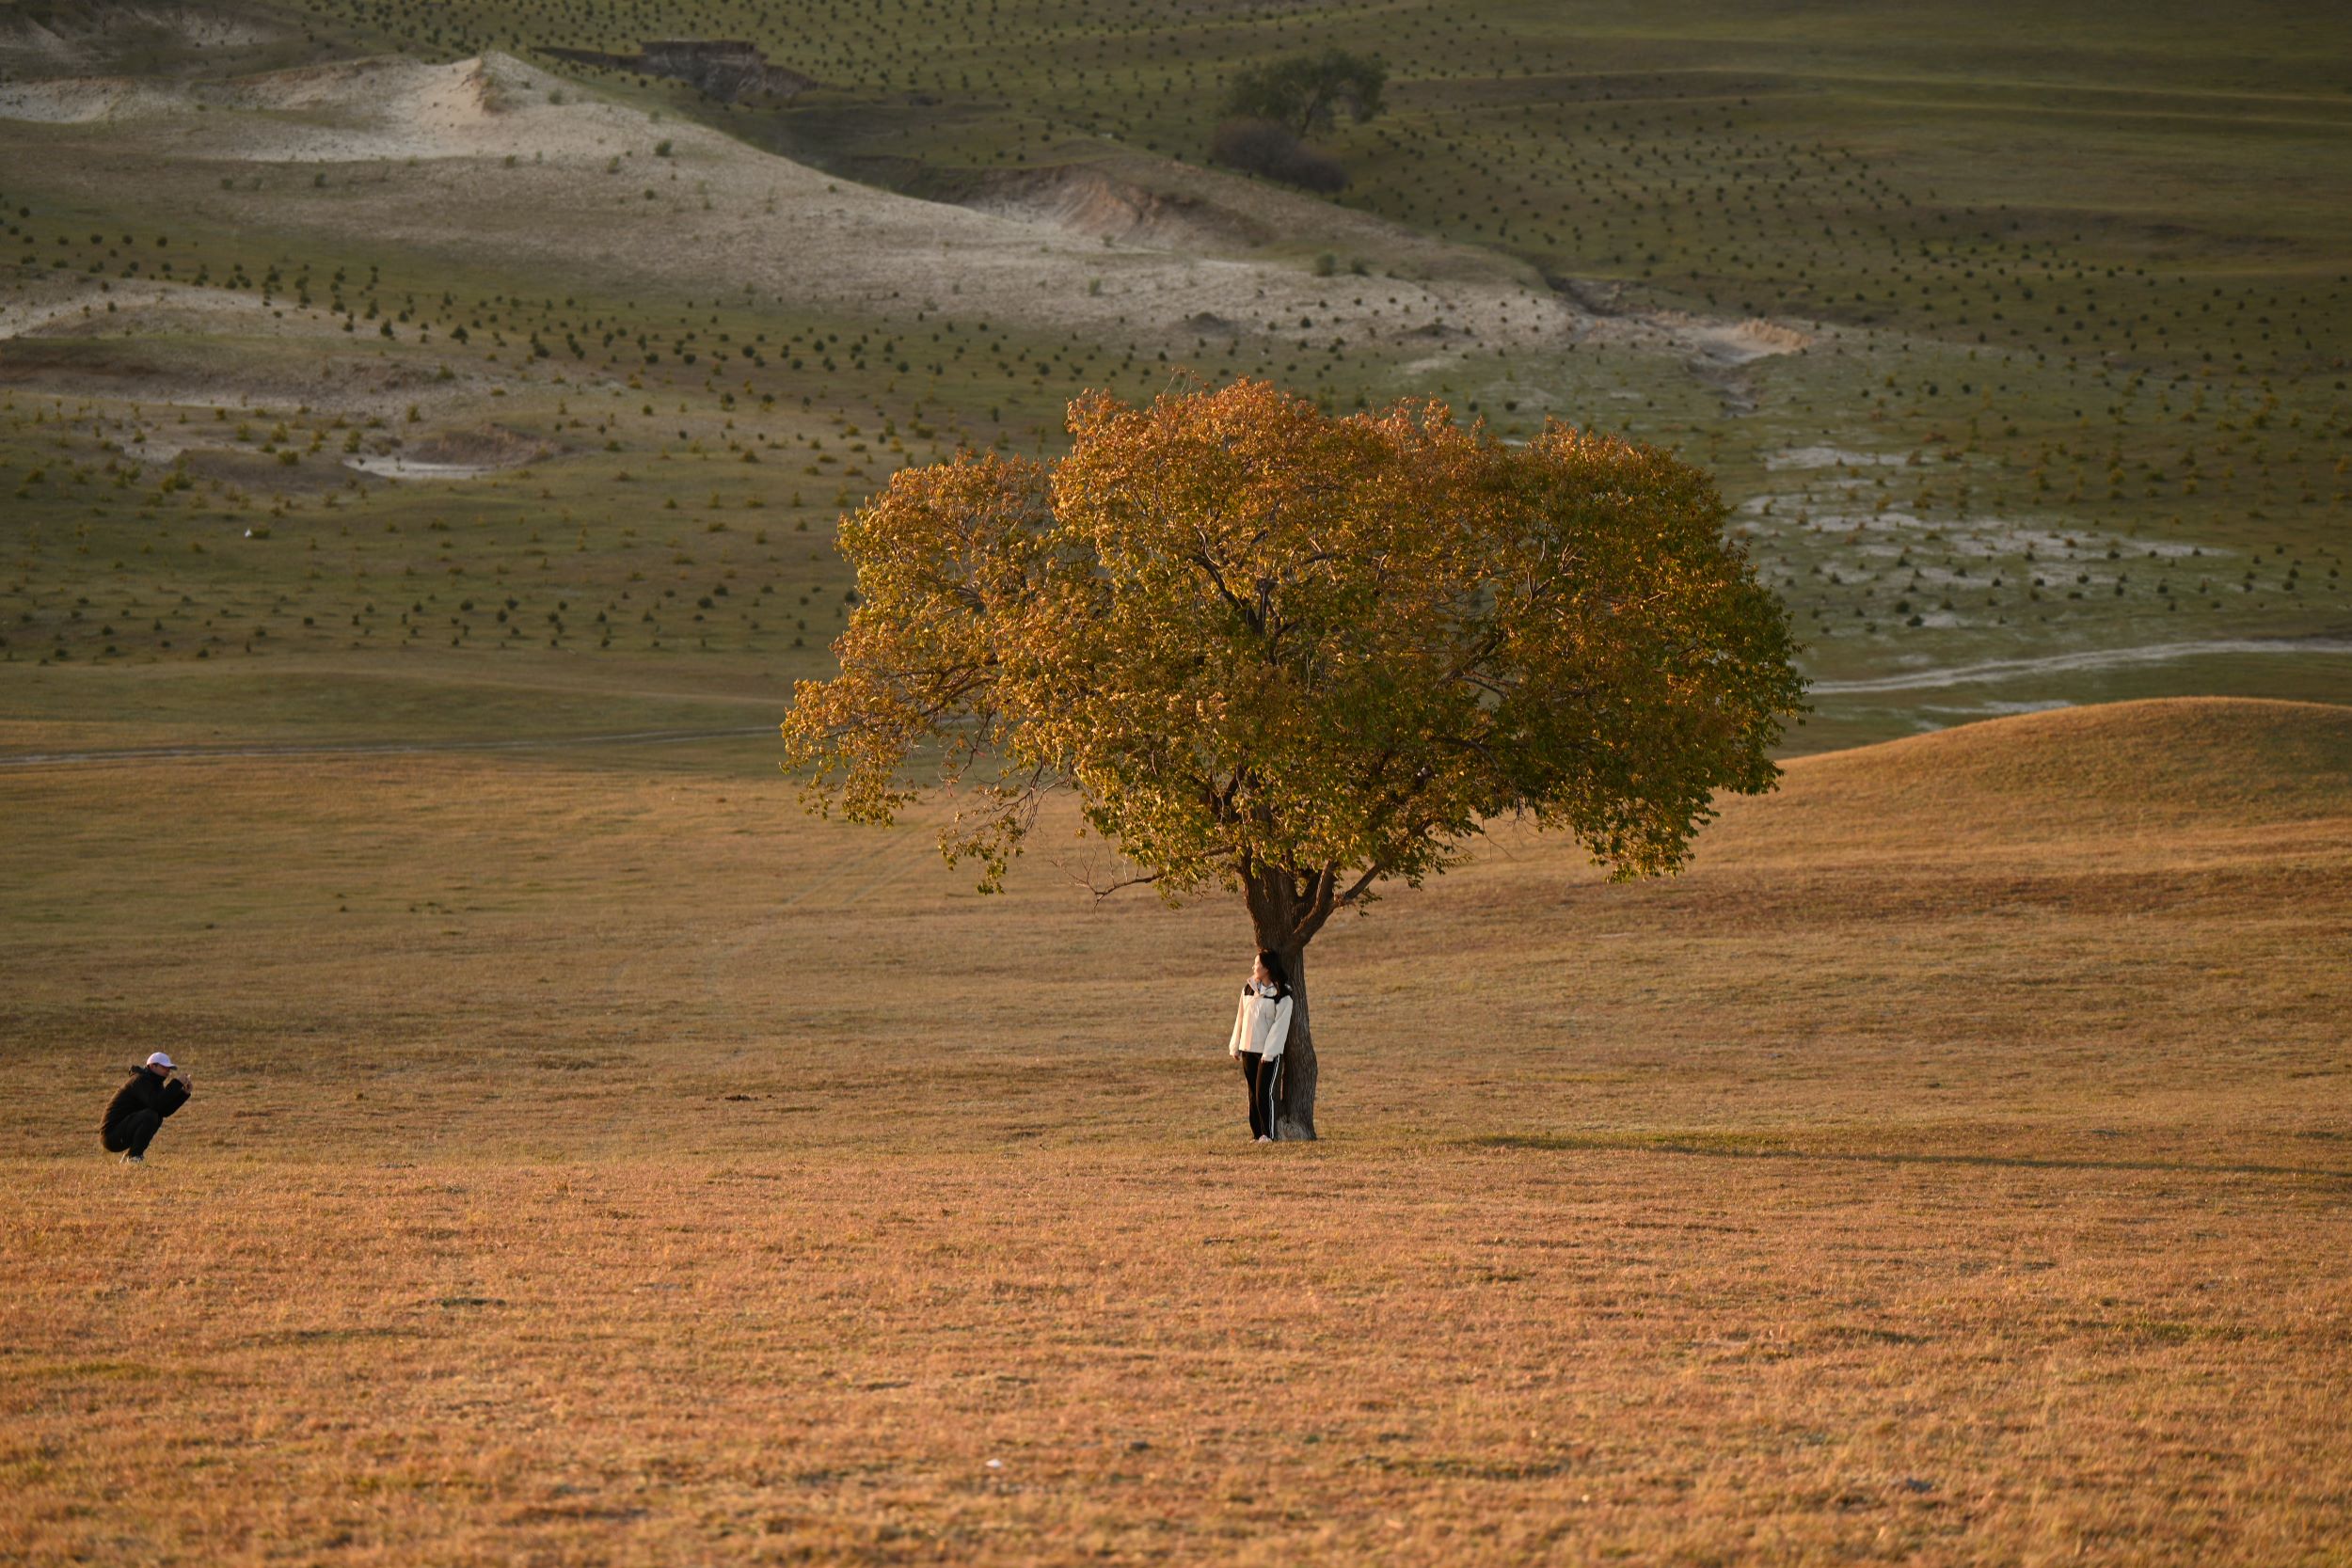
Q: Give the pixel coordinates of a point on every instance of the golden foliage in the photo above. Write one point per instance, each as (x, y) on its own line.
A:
(1300, 655)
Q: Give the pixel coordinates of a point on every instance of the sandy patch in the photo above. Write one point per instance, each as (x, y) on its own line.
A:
(175, 345)
(477, 155)
(404, 468)
(1831, 457)
(77, 308)
(1715, 342)
(1705, 341)
(80, 100)
(1996, 670)
(1716, 352)
(456, 455)
(1889, 533)
(1092, 202)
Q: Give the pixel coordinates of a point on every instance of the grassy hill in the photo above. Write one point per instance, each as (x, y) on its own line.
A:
(2128, 768)
(591, 1156)
(495, 324)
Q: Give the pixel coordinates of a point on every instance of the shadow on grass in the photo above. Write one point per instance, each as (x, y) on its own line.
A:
(1753, 1146)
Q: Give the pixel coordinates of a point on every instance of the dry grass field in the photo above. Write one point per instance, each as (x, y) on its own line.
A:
(421, 448)
(595, 1161)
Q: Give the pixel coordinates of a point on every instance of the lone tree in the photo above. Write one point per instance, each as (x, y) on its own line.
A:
(1297, 656)
(1302, 94)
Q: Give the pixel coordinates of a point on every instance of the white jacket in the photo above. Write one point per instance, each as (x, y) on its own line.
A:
(1262, 1025)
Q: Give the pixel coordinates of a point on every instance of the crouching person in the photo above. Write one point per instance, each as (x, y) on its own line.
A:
(156, 1089)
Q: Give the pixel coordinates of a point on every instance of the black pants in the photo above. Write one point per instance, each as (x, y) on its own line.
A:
(1260, 1075)
(132, 1134)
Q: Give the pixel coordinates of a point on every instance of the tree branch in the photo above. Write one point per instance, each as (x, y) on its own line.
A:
(1103, 890)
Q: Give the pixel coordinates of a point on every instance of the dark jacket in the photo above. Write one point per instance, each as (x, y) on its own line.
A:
(144, 1092)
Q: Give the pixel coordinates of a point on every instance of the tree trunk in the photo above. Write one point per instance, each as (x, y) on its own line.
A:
(1295, 1087)
(1287, 908)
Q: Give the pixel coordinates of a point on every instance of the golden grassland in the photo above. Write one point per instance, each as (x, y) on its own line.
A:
(595, 1161)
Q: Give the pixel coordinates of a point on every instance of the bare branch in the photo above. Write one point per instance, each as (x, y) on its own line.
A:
(1362, 886)
(1105, 889)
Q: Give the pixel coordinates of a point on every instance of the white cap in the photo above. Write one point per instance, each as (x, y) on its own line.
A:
(159, 1059)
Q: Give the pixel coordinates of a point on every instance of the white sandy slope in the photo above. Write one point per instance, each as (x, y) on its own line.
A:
(480, 156)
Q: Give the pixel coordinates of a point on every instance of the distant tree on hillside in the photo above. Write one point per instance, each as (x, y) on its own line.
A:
(1299, 657)
(1303, 94)
(1271, 108)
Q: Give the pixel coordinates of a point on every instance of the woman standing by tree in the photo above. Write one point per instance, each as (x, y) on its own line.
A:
(1260, 1029)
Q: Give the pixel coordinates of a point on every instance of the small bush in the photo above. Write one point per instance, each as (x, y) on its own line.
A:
(1263, 148)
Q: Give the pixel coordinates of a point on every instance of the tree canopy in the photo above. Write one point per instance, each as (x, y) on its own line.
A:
(1300, 656)
(1303, 93)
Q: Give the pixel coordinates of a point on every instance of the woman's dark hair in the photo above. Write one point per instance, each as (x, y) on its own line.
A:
(1273, 962)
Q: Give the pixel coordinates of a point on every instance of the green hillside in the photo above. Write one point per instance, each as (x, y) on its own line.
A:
(2009, 341)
